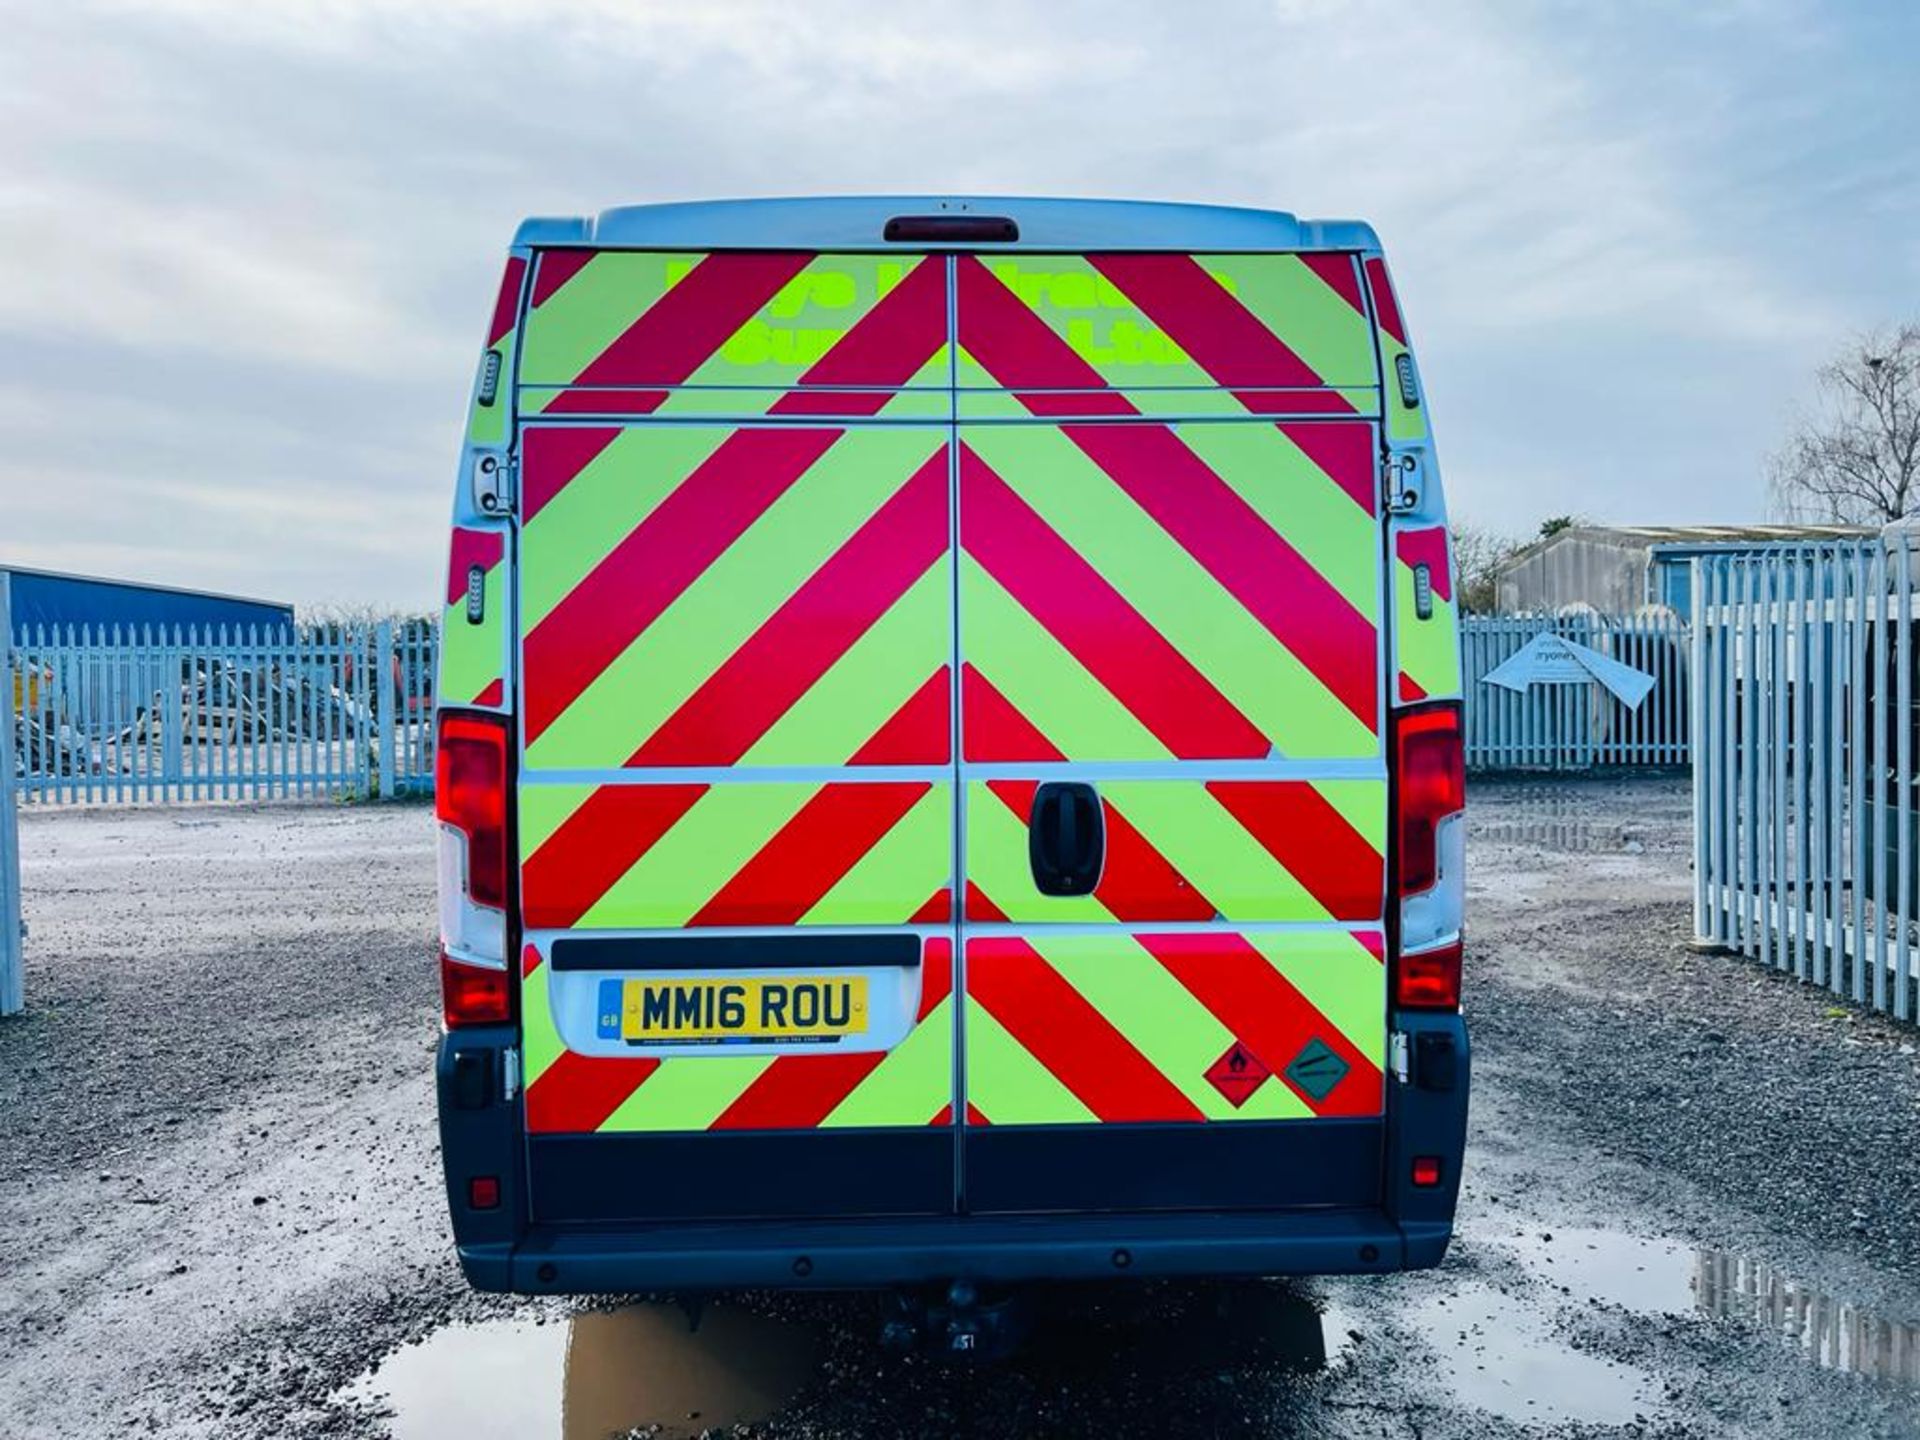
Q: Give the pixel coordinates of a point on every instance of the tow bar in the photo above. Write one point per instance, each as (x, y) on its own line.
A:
(964, 1324)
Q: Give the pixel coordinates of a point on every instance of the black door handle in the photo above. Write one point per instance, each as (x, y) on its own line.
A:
(1066, 838)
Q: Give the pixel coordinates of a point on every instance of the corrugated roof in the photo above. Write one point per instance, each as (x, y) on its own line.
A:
(1725, 534)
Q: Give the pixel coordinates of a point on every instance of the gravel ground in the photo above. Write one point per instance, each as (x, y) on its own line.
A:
(220, 1206)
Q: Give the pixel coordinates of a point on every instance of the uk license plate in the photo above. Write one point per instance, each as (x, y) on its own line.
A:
(797, 1009)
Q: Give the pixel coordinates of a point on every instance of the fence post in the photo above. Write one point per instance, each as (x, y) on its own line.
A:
(1704, 760)
(380, 696)
(12, 940)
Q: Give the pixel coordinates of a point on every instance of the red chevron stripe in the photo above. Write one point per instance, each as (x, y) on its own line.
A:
(671, 338)
(816, 625)
(798, 1092)
(1138, 882)
(811, 853)
(1220, 334)
(938, 909)
(1251, 560)
(506, 305)
(920, 731)
(980, 906)
(1336, 272)
(1427, 546)
(552, 455)
(468, 549)
(1345, 453)
(1266, 1013)
(1020, 351)
(595, 846)
(1313, 842)
(577, 1093)
(555, 268)
(1386, 309)
(886, 346)
(1134, 661)
(491, 696)
(991, 729)
(658, 560)
(1057, 1025)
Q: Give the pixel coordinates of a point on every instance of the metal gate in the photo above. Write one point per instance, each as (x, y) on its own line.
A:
(1804, 800)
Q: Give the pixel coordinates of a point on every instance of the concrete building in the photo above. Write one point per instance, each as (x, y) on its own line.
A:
(1619, 568)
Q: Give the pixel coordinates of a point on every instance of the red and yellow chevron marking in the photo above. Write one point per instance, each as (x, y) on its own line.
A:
(1121, 1028)
(1428, 656)
(780, 333)
(473, 658)
(1144, 595)
(1406, 424)
(909, 1085)
(1236, 334)
(710, 596)
(489, 424)
(739, 853)
(1240, 850)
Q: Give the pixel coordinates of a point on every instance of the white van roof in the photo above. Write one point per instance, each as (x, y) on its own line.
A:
(858, 222)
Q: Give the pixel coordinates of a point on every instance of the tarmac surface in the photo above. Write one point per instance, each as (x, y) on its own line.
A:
(1692, 1202)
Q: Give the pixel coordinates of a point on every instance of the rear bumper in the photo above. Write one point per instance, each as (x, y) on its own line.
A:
(882, 1253)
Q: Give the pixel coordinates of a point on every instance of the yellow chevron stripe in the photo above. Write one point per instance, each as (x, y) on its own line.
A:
(1160, 1018)
(1300, 501)
(733, 597)
(1175, 593)
(687, 1092)
(1043, 679)
(1009, 1085)
(878, 674)
(1203, 841)
(685, 868)
(622, 485)
(910, 1085)
(899, 873)
(1339, 977)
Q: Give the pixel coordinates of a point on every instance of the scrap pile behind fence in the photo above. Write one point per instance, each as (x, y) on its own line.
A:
(119, 716)
(1804, 784)
(1579, 726)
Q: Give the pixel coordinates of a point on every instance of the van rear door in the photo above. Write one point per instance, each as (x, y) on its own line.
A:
(736, 798)
(1173, 777)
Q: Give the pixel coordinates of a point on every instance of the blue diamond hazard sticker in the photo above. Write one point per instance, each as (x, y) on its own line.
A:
(1316, 1070)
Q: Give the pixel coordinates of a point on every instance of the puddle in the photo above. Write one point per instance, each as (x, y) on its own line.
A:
(594, 1374)
(1660, 1277)
(1498, 1355)
(1833, 1333)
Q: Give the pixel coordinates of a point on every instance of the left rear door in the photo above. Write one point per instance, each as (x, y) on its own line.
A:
(736, 698)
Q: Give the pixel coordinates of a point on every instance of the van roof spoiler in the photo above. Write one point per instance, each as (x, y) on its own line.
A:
(859, 222)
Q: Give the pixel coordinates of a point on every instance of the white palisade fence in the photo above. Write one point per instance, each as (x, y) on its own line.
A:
(172, 715)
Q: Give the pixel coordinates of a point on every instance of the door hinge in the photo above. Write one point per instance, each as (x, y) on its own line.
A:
(1397, 1055)
(509, 1073)
(493, 483)
(1400, 484)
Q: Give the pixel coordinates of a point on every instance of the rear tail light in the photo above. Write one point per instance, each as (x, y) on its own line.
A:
(470, 799)
(1429, 860)
(1430, 769)
(1428, 979)
(1427, 1171)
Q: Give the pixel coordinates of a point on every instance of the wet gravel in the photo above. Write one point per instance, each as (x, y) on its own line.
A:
(220, 1205)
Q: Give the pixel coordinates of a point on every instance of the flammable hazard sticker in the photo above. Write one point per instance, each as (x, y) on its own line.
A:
(1237, 1074)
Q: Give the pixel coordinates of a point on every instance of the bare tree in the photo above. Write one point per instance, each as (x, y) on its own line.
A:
(1855, 458)
(1477, 556)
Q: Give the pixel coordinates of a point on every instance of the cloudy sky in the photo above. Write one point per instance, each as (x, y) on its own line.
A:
(250, 248)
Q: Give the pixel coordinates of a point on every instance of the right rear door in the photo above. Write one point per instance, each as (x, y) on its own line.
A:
(1170, 579)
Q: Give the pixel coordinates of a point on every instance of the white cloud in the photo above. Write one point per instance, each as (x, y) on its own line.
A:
(252, 245)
